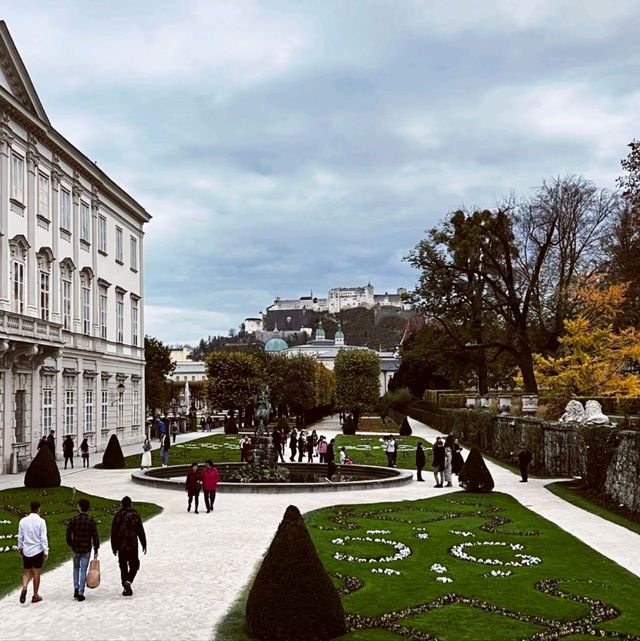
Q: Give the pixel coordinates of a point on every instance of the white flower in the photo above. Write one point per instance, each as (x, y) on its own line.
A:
(378, 531)
(498, 573)
(444, 579)
(402, 551)
(438, 569)
(387, 571)
(422, 535)
(459, 533)
(459, 551)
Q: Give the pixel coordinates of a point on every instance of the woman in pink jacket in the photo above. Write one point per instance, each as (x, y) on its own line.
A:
(210, 480)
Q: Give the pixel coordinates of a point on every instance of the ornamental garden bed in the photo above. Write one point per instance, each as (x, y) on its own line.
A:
(465, 568)
(58, 506)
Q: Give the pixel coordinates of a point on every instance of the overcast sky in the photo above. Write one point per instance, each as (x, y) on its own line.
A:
(288, 146)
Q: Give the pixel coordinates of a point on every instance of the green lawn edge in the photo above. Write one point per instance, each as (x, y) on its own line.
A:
(570, 492)
(10, 564)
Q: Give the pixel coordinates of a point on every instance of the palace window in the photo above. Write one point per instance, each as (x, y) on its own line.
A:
(120, 409)
(44, 283)
(102, 234)
(66, 291)
(88, 409)
(47, 411)
(85, 280)
(69, 410)
(134, 322)
(65, 210)
(43, 196)
(119, 247)
(103, 311)
(134, 253)
(136, 403)
(17, 177)
(104, 412)
(18, 248)
(85, 223)
(119, 317)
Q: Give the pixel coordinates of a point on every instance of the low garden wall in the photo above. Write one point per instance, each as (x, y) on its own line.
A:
(607, 458)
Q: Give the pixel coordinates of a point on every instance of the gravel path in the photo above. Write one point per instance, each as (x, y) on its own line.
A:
(197, 564)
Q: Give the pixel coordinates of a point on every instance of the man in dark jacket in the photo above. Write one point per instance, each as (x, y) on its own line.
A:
(67, 450)
(420, 461)
(82, 534)
(51, 443)
(438, 462)
(126, 529)
(330, 458)
(524, 458)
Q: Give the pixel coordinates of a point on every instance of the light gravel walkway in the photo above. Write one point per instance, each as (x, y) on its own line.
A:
(197, 564)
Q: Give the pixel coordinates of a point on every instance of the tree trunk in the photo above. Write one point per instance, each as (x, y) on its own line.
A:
(356, 419)
(525, 363)
(482, 371)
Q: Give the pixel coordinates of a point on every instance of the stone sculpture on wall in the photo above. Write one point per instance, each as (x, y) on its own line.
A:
(593, 414)
(573, 412)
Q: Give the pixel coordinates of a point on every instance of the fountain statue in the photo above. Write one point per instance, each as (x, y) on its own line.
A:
(263, 466)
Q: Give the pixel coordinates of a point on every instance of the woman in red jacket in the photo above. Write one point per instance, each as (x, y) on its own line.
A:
(210, 480)
(194, 483)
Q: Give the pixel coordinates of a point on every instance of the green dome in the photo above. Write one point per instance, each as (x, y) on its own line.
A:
(339, 334)
(320, 332)
(275, 345)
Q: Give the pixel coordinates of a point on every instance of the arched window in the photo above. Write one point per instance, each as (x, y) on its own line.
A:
(45, 259)
(18, 247)
(86, 276)
(66, 291)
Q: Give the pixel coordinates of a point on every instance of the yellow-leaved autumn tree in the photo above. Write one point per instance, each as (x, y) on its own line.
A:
(594, 359)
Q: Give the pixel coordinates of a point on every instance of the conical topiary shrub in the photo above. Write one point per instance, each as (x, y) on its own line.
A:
(405, 428)
(113, 458)
(43, 471)
(230, 426)
(475, 476)
(292, 598)
(348, 425)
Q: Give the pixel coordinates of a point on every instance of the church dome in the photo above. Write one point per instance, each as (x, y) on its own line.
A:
(275, 345)
(320, 335)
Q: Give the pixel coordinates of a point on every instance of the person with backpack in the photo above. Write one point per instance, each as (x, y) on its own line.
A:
(126, 530)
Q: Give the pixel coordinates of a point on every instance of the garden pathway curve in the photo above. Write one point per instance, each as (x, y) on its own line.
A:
(197, 564)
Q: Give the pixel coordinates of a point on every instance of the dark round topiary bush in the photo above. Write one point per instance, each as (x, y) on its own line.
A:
(113, 458)
(292, 597)
(475, 476)
(405, 428)
(43, 471)
(348, 425)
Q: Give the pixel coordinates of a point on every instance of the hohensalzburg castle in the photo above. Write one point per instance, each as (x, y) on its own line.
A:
(337, 300)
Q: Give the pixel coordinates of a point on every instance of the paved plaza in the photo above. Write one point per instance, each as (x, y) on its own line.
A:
(196, 565)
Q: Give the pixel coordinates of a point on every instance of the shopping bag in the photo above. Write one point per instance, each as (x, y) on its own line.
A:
(93, 574)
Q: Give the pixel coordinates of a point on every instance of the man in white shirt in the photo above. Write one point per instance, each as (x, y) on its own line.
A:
(33, 547)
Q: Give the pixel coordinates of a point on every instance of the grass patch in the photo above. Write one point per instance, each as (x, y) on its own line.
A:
(573, 492)
(59, 504)
(369, 450)
(217, 447)
(375, 424)
(553, 576)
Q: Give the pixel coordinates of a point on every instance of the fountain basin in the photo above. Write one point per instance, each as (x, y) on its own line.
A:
(304, 477)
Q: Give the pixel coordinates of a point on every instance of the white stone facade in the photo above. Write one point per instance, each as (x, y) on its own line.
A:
(71, 285)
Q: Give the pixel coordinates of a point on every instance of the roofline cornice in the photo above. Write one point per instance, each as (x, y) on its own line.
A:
(48, 136)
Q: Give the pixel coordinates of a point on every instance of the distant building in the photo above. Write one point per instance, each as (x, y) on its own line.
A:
(325, 351)
(253, 324)
(186, 370)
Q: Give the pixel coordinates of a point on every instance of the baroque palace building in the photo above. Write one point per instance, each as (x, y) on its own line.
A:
(71, 285)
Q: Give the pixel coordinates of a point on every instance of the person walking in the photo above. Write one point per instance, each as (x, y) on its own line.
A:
(84, 452)
(162, 429)
(126, 530)
(164, 449)
(33, 548)
(448, 457)
(210, 479)
(276, 439)
(146, 454)
(302, 443)
(322, 448)
(438, 462)
(51, 443)
(310, 448)
(456, 458)
(421, 461)
(174, 431)
(390, 448)
(330, 457)
(82, 535)
(193, 486)
(293, 444)
(524, 458)
(67, 450)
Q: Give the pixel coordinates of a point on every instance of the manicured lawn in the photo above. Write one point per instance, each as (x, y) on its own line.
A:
(217, 447)
(369, 450)
(58, 506)
(375, 424)
(438, 588)
(572, 492)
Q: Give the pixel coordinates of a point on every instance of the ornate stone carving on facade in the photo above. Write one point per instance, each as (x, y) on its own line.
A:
(573, 412)
(95, 199)
(66, 268)
(77, 188)
(10, 73)
(33, 157)
(56, 172)
(593, 414)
